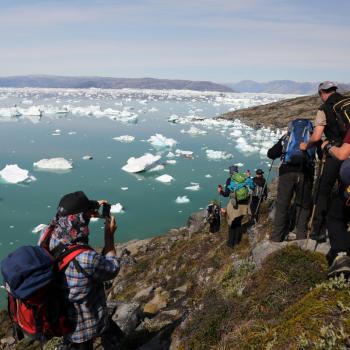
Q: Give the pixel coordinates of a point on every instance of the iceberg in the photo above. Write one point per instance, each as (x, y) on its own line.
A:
(208, 176)
(124, 138)
(53, 164)
(211, 154)
(124, 188)
(165, 178)
(185, 154)
(171, 161)
(158, 140)
(182, 200)
(194, 187)
(194, 131)
(157, 168)
(13, 174)
(38, 228)
(136, 165)
(116, 208)
(87, 157)
(32, 111)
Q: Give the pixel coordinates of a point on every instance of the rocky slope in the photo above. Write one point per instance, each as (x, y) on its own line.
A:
(278, 114)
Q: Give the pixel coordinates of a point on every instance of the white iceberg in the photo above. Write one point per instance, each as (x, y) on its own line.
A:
(171, 161)
(38, 228)
(13, 174)
(239, 164)
(194, 131)
(116, 208)
(208, 176)
(186, 154)
(87, 157)
(165, 178)
(124, 188)
(194, 187)
(136, 165)
(124, 138)
(158, 140)
(236, 133)
(32, 111)
(211, 154)
(159, 167)
(54, 164)
(182, 200)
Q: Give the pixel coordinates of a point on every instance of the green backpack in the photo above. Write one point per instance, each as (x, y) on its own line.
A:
(237, 185)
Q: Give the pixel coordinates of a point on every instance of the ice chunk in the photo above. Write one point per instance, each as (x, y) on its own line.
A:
(72, 133)
(236, 133)
(158, 140)
(136, 165)
(186, 154)
(32, 111)
(157, 168)
(87, 157)
(38, 228)
(153, 109)
(170, 155)
(116, 208)
(194, 187)
(211, 154)
(124, 138)
(208, 176)
(12, 173)
(165, 178)
(124, 188)
(54, 164)
(194, 131)
(239, 164)
(182, 200)
(171, 161)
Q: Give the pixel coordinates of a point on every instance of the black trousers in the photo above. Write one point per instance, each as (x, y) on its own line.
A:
(88, 345)
(254, 207)
(291, 184)
(337, 224)
(323, 195)
(235, 232)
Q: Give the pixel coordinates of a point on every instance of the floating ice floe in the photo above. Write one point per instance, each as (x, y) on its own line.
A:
(31, 111)
(116, 208)
(152, 110)
(170, 155)
(124, 138)
(158, 140)
(182, 200)
(72, 133)
(208, 176)
(165, 178)
(87, 157)
(211, 154)
(9, 112)
(159, 167)
(171, 161)
(185, 154)
(194, 131)
(124, 188)
(194, 187)
(136, 165)
(239, 164)
(236, 133)
(243, 146)
(13, 174)
(53, 164)
(39, 228)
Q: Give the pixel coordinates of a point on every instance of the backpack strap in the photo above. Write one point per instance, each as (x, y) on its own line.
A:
(70, 254)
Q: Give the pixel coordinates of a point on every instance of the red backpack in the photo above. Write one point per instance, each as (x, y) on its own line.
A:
(30, 275)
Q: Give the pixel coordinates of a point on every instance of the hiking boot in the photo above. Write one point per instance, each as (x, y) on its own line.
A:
(341, 264)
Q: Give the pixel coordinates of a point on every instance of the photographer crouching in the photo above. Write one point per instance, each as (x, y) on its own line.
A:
(81, 283)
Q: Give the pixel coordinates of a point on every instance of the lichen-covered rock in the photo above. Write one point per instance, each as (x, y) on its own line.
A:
(127, 316)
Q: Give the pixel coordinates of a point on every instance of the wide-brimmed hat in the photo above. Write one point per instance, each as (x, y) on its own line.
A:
(76, 202)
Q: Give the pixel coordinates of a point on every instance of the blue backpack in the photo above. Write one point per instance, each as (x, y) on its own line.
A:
(299, 130)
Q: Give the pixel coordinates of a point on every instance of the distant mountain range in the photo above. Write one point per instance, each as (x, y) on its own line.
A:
(52, 81)
(280, 87)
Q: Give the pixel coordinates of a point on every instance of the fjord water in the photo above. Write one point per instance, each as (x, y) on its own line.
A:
(149, 205)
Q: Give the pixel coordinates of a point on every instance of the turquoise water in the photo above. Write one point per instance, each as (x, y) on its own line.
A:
(149, 206)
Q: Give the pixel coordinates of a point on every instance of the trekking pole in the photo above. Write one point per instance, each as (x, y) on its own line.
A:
(310, 224)
(263, 191)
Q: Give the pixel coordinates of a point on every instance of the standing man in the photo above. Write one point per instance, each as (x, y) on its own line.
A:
(259, 193)
(325, 123)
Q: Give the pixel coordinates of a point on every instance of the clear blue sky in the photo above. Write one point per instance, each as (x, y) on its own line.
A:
(218, 40)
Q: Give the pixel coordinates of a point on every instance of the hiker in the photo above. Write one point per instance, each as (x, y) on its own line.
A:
(342, 152)
(238, 208)
(81, 283)
(325, 123)
(295, 179)
(213, 216)
(338, 218)
(259, 193)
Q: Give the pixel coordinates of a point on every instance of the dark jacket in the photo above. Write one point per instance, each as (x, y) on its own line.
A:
(260, 182)
(332, 130)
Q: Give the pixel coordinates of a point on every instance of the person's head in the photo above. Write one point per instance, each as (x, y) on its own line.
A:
(247, 173)
(233, 169)
(73, 216)
(325, 89)
(259, 173)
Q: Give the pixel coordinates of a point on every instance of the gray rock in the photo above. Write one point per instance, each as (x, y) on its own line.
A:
(196, 222)
(144, 293)
(127, 316)
(266, 247)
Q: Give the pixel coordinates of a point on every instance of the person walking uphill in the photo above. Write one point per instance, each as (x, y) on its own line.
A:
(325, 123)
(81, 284)
(295, 179)
(238, 213)
(259, 193)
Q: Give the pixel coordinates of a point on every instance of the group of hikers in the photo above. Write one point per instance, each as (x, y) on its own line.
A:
(313, 192)
(63, 276)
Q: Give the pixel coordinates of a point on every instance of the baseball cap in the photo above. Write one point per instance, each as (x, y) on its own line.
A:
(76, 202)
(325, 85)
(259, 171)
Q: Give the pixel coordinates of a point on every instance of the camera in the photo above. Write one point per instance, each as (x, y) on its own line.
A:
(106, 210)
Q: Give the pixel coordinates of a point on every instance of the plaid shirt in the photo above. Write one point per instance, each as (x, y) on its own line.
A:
(85, 295)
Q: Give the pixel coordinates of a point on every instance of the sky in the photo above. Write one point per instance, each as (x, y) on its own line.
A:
(218, 40)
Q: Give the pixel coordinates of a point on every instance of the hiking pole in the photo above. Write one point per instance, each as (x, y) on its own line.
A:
(267, 179)
(310, 224)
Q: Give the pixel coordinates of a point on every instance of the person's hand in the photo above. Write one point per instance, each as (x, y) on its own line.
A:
(303, 146)
(219, 189)
(102, 201)
(324, 144)
(110, 225)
